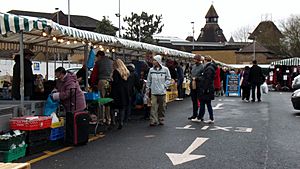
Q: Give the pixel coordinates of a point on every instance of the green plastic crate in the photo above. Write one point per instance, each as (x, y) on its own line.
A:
(5, 145)
(14, 154)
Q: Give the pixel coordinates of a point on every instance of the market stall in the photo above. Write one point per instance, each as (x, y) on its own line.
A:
(282, 73)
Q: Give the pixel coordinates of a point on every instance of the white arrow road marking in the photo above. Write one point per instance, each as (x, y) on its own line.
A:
(186, 156)
(187, 127)
(218, 106)
(204, 127)
(243, 129)
(221, 128)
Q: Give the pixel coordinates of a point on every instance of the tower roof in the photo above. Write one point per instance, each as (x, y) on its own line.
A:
(211, 13)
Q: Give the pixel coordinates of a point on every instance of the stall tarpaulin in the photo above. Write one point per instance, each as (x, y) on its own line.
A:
(287, 62)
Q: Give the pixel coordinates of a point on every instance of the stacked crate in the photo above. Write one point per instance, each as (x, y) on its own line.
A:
(57, 134)
(12, 146)
(37, 131)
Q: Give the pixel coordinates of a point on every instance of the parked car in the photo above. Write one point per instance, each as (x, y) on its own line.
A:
(296, 99)
(296, 83)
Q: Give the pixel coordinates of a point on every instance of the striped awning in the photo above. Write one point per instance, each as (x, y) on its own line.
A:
(287, 62)
(15, 24)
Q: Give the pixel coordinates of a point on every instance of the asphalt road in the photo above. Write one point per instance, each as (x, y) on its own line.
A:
(262, 135)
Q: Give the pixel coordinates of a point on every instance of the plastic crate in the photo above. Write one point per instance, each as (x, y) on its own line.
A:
(5, 145)
(57, 133)
(37, 135)
(37, 147)
(58, 124)
(30, 122)
(91, 96)
(14, 154)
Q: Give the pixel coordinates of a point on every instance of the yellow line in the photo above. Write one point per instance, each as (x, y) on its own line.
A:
(50, 153)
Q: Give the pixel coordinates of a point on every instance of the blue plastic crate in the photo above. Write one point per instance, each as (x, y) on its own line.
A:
(92, 96)
(57, 133)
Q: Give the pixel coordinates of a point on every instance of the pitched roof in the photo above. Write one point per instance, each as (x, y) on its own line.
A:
(266, 27)
(258, 49)
(76, 20)
(231, 40)
(211, 13)
(211, 33)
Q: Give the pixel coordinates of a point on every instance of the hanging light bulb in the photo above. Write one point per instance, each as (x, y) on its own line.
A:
(100, 46)
(107, 50)
(113, 50)
(83, 42)
(68, 42)
(44, 34)
(61, 40)
(75, 41)
(54, 38)
(90, 43)
(102, 49)
(95, 46)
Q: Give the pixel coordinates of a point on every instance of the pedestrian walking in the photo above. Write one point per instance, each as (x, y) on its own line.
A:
(196, 73)
(206, 89)
(245, 84)
(158, 80)
(256, 79)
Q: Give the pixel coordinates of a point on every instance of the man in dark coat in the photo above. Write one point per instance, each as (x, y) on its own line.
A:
(28, 76)
(256, 79)
(206, 89)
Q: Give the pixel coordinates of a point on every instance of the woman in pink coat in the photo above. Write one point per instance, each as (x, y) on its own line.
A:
(68, 91)
(217, 81)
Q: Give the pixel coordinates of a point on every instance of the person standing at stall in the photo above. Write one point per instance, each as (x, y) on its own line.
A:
(158, 80)
(245, 84)
(64, 84)
(180, 77)
(206, 89)
(119, 89)
(28, 76)
(196, 73)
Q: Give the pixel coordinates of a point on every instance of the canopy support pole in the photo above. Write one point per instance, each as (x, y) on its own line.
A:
(47, 62)
(22, 73)
(86, 68)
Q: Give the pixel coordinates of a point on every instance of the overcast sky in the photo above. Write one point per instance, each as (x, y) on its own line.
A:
(177, 14)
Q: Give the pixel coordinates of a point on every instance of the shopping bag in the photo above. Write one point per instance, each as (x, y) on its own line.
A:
(50, 106)
(91, 59)
(264, 88)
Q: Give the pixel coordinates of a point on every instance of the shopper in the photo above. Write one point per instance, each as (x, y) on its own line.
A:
(28, 76)
(119, 89)
(180, 78)
(81, 77)
(217, 81)
(245, 84)
(158, 80)
(196, 73)
(206, 89)
(68, 91)
(256, 79)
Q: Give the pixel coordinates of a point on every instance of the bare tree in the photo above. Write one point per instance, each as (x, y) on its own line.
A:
(291, 31)
(242, 34)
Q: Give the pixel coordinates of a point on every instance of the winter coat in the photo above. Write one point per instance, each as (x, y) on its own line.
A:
(158, 80)
(119, 90)
(66, 97)
(206, 82)
(217, 79)
(104, 68)
(133, 83)
(246, 75)
(256, 77)
(28, 79)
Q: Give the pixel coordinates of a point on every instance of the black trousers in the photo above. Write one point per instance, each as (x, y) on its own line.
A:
(246, 92)
(253, 87)
(194, 98)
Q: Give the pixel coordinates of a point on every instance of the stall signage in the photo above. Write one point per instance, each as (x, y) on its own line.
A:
(36, 66)
(233, 84)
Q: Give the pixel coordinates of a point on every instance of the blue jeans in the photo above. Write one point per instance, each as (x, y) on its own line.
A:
(209, 108)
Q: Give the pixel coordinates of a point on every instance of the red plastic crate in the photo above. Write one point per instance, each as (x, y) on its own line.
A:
(30, 122)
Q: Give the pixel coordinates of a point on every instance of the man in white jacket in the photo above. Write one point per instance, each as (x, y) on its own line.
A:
(158, 81)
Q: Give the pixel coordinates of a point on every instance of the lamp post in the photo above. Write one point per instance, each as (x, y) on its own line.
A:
(69, 18)
(119, 16)
(193, 23)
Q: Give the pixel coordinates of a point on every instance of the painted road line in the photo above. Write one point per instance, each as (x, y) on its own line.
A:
(218, 106)
(186, 156)
(221, 128)
(50, 153)
(243, 130)
(204, 127)
(187, 127)
(149, 136)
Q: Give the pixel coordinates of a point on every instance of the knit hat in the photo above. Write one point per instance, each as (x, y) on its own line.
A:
(198, 57)
(158, 59)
